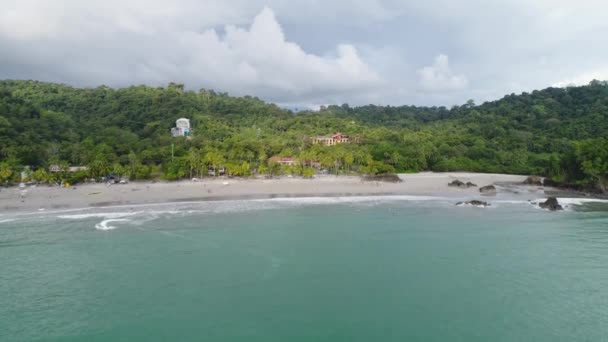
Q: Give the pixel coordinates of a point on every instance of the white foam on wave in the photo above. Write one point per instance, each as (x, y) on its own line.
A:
(351, 199)
(8, 220)
(103, 225)
(100, 215)
(292, 202)
(108, 217)
(473, 205)
(512, 202)
(149, 212)
(395, 198)
(244, 203)
(580, 201)
(568, 203)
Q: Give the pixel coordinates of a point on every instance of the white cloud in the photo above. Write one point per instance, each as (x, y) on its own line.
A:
(584, 78)
(66, 19)
(134, 49)
(356, 51)
(439, 77)
(266, 59)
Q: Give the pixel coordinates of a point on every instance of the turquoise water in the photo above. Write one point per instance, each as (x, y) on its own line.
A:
(306, 270)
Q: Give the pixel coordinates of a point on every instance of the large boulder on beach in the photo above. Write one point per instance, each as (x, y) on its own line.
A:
(534, 180)
(457, 183)
(387, 177)
(488, 190)
(551, 204)
(460, 184)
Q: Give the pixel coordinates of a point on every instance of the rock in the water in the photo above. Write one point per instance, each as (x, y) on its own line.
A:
(534, 180)
(551, 204)
(475, 203)
(488, 190)
(471, 185)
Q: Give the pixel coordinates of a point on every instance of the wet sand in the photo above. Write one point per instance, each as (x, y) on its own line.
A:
(34, 198)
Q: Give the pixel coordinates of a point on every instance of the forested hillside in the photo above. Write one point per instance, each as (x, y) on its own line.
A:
(561, 133)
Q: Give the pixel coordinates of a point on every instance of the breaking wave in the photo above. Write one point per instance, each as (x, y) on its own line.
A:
(137, 215)
(102, 215)
(103, 225)
(580, 201)
(573, 203)
(113, 217)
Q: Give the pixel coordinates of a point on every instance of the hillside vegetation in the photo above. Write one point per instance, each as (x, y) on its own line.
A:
(561, 133)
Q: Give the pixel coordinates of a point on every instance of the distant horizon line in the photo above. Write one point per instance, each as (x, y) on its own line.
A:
(308, 107)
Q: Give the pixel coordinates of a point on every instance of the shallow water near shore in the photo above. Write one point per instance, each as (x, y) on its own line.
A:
(311, 269)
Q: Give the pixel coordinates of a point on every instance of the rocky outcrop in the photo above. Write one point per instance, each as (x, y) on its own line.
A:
(390, 178)
(457, 183)
(534, 180)
(488, 190)
(551, 204)
(475, 203)
(460, 184)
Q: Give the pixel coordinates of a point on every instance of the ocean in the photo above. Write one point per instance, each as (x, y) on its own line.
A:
(311, 269)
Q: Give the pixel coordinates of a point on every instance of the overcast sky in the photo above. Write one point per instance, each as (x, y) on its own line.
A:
(311, 52)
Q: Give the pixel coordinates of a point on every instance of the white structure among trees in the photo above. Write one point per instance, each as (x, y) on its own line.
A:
(182, 128)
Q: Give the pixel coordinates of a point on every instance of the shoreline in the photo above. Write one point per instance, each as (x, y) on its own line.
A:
(42, 198)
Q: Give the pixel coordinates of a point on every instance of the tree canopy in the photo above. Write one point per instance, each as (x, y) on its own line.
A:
(556, 132)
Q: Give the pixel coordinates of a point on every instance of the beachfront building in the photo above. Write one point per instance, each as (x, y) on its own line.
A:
(25, 174)
(330, 140)
(57, 168)
(212, 172)
(283, 160)
(182, 128)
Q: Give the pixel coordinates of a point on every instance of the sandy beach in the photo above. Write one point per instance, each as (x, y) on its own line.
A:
(35, 198)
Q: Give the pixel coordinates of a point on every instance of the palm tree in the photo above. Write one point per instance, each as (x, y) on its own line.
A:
(349, 159)
(193, 160)
(215, 160)
(99, 168)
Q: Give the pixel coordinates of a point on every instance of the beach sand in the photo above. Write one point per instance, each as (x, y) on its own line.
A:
(34, 198)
